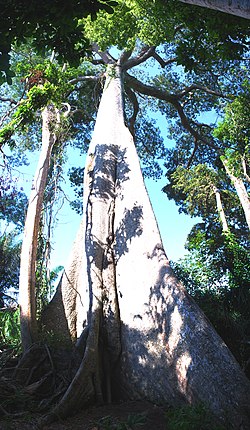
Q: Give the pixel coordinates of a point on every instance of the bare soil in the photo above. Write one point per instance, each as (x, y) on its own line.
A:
(137, 415)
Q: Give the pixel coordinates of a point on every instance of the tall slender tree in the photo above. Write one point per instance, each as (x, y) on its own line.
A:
(27, 298)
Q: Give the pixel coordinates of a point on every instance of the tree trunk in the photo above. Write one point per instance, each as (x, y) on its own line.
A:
(233, 7)
(220, 210)
(27, 280)
(145, 337)
(241, 192)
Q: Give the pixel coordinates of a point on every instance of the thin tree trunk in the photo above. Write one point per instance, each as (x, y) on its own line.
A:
(233, 7)
(145, 334)
(220, 210)
(27, 295)
(241, 192)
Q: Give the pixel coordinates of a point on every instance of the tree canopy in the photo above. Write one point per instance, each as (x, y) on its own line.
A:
(49, 25)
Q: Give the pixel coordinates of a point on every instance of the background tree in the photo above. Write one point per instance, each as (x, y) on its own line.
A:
(234, 133)
(9, 267)
(236, 7)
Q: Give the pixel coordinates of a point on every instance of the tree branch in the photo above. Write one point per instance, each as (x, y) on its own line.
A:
(9, 112)
(85, 78)
(244, 165)
(144, 55)
(105, 56)
(192, 154)
(162, 62)
(12, 101)
(149, 90)
(124, 57)
(97, 62)
(152, 91)
(193, 87)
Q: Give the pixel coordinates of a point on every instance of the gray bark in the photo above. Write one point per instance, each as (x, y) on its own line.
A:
(233, 7)
(144, 331)
(29, 246)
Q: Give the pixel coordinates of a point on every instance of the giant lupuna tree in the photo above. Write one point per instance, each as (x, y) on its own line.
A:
(127, 318)
(133, 319)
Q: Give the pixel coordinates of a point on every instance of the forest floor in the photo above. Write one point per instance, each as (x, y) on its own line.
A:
(132, 415)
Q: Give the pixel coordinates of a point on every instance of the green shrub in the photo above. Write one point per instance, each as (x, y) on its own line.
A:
(10, 327)
(195, 417)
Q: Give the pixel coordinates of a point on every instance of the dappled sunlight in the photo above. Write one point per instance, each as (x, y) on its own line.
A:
(181, 369)
(129, 228)
(175, 331)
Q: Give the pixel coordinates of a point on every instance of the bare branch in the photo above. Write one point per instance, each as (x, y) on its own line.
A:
(192, 154)
(9, 112)
(68, 109)
(12, 101)
(85, 78)
(152, 91)
(186, 124)
(202, 124)
(149, 90)
(97, 62)
(124, 57)
(144, 55)
(105, 56)
(162, 62)
(194, 87)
